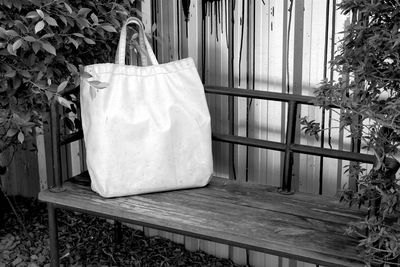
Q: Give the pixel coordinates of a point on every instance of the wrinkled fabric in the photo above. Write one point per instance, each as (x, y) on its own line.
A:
(148, 130)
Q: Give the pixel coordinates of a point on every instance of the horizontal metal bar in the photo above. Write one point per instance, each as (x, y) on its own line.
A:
(333, 153)
(301, 99)
(72, 137)
(317, 151)
(247, 141)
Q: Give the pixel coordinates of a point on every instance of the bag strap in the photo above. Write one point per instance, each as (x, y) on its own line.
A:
(143, 43)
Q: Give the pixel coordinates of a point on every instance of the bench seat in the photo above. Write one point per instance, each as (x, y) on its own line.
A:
(302, 226)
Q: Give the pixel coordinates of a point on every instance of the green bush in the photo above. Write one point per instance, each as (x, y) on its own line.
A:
(367, 95)
(43, 44)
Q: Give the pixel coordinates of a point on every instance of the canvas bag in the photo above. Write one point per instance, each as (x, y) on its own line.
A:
(149, 129)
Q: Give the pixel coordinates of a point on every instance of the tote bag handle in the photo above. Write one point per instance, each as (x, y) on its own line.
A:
(145, 49)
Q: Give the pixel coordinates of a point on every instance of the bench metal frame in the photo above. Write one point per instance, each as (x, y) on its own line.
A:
(289, 147)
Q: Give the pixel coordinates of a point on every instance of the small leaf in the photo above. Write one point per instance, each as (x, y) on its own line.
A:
(11, 33)
(94, 18)
(10, 50)
(63, 19)
(10, 74)
(39, 26)
(74, 42)
(64, 102)
(84, 11)
(89, 41)
(36, 47)
(29, 38)
(49, 95)
(98, 84)
(77, 34)
(3, 33)
(17, 44)
(49, 48)
(82, 22)
(21, 137)
(17, 83)
(11, 132)
(69, 9)
(40, 12)
(72, 68)
(51, 21)
(62, 86)
(47, 35)
(85, 75)
(153, 27)
(109, 28)
(32, 15)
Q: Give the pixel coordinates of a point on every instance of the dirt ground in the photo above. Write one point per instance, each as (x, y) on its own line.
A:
(84, 241)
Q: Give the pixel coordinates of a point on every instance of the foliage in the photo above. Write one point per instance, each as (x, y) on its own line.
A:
(367, 95)
(43, 44)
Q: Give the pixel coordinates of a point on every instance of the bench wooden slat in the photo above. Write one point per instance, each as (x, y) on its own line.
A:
(301, 226)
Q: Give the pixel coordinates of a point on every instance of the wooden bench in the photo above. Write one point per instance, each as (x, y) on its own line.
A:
(256, 217)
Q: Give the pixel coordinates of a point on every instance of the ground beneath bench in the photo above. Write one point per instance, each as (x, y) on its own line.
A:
(84, 241)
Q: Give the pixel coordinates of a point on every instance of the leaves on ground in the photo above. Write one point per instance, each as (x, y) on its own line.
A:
(86, 241)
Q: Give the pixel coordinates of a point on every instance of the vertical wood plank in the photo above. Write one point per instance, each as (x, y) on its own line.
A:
(151, 14)
(241, 73)
(173, 36)
(258, 111)
(41, 155)
(22, 176)
(275, 64)
(238, 255)
(146, 16)
(212, 68)
(221, 77)
(312, 43)
(344, 142)
(190, 47)
(295, 19)
(191, 244)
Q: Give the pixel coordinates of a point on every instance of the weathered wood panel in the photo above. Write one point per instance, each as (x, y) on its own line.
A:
(302, 226)
(22, 176)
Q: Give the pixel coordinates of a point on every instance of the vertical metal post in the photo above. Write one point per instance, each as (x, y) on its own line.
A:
(53, 234)
(322, 141)
(231, 78)
(117, 232)
(355, 147)
(55, 143)
(290, 135)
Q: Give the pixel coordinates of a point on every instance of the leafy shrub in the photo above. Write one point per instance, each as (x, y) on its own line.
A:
(43, 43)
(367, 94)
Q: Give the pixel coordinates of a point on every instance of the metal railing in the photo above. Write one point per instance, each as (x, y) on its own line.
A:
(288, 147)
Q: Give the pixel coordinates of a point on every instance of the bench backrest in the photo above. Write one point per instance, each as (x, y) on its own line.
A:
(288, 147)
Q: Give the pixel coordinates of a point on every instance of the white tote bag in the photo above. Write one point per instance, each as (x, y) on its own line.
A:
(148, 129)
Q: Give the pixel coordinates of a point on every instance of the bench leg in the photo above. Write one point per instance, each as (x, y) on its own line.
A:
(53, 232)
(117, 232)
